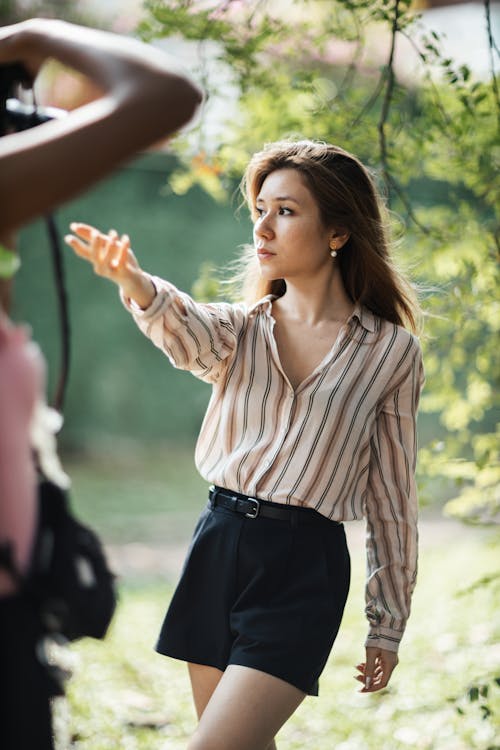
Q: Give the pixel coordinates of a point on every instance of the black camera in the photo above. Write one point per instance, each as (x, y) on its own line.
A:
(14, 114)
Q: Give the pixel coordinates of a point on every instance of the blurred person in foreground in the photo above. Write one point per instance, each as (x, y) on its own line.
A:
(144, 97)
(316, 377)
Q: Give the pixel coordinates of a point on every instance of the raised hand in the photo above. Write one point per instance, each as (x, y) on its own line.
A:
(112, 257)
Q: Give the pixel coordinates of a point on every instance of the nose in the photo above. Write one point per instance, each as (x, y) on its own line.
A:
(263, 227)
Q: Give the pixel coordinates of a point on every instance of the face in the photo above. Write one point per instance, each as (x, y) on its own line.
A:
(289, 236)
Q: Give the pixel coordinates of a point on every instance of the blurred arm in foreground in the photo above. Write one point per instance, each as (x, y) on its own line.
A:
(144, 98)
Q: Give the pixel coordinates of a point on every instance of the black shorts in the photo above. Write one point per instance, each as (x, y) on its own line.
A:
(262, 593)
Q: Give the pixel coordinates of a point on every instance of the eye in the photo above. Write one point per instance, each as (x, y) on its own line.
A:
(284, 211)
(259, 211)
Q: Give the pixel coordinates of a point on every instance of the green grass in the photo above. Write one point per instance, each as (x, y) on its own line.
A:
(125, 696)
(130, 495)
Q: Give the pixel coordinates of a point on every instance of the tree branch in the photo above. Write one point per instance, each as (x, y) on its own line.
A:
(358, 49)
(386, 103)
(492, 48)
(428, 77)
(407, 204)
(371, 101)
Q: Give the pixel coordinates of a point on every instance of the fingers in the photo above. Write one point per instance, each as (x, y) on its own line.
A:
(98, 246)
(371, 665)
(110, 255)
(375, 673)
(87, 233)
(120, 252)
(84, 231)
(114, 253)
(104, 249)
(79, 247)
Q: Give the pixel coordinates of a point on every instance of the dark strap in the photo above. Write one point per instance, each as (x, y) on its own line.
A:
(62, 303)
(252, 507)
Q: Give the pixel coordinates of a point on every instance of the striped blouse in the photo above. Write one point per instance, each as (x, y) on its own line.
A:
(343, 442)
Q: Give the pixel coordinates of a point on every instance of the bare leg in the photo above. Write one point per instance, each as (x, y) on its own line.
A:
(242, 708)
(204, 680)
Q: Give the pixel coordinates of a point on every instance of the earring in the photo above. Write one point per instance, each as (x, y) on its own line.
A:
(333, 249)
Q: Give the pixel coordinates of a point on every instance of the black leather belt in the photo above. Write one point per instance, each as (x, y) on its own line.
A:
(252, 507)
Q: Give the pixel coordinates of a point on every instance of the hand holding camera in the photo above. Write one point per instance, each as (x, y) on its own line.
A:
(139, 85)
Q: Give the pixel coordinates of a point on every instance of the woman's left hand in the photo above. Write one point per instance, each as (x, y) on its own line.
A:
(376, 672)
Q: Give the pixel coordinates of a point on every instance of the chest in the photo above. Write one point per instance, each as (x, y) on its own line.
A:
(301, 349)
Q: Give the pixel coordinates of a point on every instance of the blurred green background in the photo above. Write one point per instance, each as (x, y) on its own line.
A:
(120, 385)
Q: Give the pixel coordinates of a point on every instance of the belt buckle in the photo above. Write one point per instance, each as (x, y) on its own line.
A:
(255, 512)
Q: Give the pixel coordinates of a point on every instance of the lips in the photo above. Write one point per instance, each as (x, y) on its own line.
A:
(264, 253)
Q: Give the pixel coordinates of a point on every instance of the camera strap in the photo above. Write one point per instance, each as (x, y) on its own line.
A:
(62, 305)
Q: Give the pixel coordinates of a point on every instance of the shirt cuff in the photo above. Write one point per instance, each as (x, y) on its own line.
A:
(386, 638)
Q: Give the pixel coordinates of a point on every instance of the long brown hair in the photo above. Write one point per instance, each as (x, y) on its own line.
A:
(348, 199)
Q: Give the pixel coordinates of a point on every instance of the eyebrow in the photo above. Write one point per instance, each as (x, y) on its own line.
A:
(279, 198)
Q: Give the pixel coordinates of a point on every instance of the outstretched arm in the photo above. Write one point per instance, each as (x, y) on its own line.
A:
(144, 98)
(195, 336)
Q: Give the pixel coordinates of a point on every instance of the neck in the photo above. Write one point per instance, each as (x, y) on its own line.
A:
(315, 300)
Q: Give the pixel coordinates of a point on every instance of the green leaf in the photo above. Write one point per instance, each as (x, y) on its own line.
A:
(473, 693)
(465, 71)
(486, 711)
(9, 263)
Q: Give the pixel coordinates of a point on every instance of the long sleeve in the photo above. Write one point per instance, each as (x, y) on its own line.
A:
(197, 337)
(391, 506)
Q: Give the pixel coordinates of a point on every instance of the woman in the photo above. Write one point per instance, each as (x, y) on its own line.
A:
(311, 422)
(39, 169)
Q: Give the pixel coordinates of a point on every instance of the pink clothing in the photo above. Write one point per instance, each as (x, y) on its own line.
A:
(21, 376)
